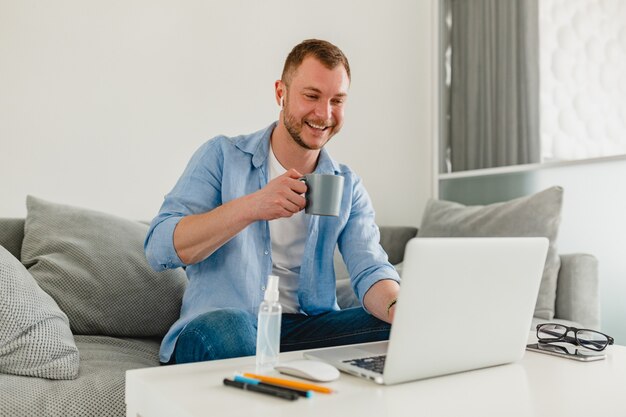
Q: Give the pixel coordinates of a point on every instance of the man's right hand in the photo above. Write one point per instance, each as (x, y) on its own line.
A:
(197, 236)
(281, 197)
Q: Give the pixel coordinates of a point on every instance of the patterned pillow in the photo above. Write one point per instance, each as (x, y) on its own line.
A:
(35, 336)
(94, 266)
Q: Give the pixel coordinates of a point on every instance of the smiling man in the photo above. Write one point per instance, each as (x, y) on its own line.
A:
(316, 107)
(236, 216)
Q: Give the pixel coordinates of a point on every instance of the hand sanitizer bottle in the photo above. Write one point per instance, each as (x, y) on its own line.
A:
(268, 328)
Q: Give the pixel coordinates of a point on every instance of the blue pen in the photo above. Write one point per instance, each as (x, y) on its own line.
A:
(245, 380)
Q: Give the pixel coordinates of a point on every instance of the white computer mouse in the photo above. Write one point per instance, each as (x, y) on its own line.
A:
(309, 369)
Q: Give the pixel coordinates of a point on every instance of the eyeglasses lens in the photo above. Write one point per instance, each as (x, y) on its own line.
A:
(592, 340)
(549, 332)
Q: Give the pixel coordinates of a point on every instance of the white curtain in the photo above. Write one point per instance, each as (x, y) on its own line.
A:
(493, 98)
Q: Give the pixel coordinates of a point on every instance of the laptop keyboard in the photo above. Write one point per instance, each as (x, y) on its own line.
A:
(372, 363)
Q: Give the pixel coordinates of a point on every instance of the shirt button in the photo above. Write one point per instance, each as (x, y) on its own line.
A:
(266, 252)
(263, 288)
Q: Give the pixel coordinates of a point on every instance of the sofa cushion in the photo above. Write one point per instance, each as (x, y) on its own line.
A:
(93, 265)
(535, 215)
(98, 390)
(35, 337)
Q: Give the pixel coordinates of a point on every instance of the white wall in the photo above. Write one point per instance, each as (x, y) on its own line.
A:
(103, 103)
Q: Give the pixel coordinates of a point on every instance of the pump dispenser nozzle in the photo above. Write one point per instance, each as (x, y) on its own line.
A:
(271, 292)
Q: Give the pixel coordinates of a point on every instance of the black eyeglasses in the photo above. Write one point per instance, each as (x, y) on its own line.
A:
(589, 339)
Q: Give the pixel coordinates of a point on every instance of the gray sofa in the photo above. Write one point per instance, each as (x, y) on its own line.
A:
(98, 389)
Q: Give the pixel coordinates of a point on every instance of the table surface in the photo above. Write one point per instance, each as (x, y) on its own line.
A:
(538, 385)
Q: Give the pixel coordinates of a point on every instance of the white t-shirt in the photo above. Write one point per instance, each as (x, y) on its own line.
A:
(288, 236)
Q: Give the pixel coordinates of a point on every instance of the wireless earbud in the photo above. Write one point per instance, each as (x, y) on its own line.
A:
(281, 102)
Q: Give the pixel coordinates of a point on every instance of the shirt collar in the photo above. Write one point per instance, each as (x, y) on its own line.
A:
(258, 145)
(326, 165)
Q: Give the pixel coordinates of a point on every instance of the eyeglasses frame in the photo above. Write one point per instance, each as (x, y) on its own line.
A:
(573, 340)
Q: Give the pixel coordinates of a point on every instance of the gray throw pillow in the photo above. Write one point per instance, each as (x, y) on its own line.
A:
(93, 265)
(531, 216)
(35, 336)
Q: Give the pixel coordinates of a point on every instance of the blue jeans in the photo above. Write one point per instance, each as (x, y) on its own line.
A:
(231, 333)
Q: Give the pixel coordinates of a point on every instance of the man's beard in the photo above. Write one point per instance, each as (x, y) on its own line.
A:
(295, 130)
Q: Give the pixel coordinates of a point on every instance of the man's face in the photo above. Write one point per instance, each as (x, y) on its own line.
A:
(314, 103)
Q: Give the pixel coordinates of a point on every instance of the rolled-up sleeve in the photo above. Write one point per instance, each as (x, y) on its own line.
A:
(359, 244)
(159, 244)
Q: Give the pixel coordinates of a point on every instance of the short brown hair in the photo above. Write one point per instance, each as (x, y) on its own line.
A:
(325, 52)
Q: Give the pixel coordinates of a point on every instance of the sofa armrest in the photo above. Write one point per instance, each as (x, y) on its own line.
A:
(577, 294)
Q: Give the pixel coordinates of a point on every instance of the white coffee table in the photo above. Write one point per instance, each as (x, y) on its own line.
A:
(538, 385)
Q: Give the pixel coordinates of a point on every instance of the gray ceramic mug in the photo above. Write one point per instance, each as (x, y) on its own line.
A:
(323, 194)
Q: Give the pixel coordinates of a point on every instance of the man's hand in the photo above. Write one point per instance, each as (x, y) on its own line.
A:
(281, 197)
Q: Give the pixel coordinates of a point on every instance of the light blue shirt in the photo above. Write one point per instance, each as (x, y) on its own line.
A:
(235, 275)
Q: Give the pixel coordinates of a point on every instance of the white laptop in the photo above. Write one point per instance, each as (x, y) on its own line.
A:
(464, 303)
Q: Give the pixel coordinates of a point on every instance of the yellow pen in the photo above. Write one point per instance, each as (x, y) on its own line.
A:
(289, 383)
